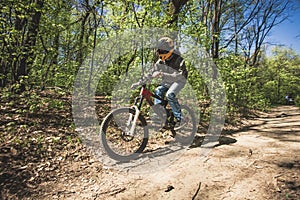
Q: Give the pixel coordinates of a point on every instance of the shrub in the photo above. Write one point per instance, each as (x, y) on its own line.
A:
(297, 101)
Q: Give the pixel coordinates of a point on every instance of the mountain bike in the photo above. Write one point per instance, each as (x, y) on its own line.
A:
(125, 131)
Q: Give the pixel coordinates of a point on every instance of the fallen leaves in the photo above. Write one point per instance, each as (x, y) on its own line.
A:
(35, 146)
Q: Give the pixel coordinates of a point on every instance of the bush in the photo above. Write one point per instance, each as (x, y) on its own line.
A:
(297, 101)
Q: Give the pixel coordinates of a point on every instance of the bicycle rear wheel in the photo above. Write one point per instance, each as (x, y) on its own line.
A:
(185, 133)
(118, 144)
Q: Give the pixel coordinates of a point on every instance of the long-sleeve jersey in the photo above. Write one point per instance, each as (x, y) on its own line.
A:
(173, 70)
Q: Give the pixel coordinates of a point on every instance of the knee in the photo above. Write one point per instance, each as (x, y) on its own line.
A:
(157, 90)
(171, 96)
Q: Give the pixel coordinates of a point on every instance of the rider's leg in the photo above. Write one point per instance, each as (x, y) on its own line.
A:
(173, 101)
(158, 107)
(160, 91)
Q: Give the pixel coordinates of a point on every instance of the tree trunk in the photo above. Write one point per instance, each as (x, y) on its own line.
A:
(79, 58)
(175, 9)
(28, 53)
(217, 12)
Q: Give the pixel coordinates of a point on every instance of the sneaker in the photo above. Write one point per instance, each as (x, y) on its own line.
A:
(180, 123)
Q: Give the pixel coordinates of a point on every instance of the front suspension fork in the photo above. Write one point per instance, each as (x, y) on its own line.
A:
(132, 121)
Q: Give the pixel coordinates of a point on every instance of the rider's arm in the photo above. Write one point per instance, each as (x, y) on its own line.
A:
(149, 76)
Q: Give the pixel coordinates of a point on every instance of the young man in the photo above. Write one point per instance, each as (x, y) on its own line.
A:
(171, 68)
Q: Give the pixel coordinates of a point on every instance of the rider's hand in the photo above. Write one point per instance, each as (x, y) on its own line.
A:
(133, 86)
(157, 74)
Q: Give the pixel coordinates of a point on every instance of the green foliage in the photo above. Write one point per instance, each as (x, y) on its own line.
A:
(242, 88)
(68, 30)
(197, 82)
(279, 75)
(297, 100)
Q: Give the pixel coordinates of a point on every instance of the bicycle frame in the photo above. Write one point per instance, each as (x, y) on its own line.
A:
(144, 94)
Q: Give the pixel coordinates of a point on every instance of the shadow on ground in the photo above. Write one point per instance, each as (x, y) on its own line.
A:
(222, 140)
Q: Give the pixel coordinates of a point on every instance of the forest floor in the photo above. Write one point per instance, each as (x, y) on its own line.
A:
(42, 158)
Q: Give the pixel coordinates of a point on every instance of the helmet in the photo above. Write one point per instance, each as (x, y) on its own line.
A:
(165, 48)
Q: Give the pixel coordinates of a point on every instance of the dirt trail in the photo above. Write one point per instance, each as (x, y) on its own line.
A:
(262, 161)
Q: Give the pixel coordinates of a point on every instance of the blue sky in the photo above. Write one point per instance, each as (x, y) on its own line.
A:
(288, 33)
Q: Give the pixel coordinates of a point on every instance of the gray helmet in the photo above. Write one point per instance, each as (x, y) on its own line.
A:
(165, 43)
(165, 48)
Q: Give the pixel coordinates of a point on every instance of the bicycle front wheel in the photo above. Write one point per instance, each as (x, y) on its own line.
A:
(115, 137)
